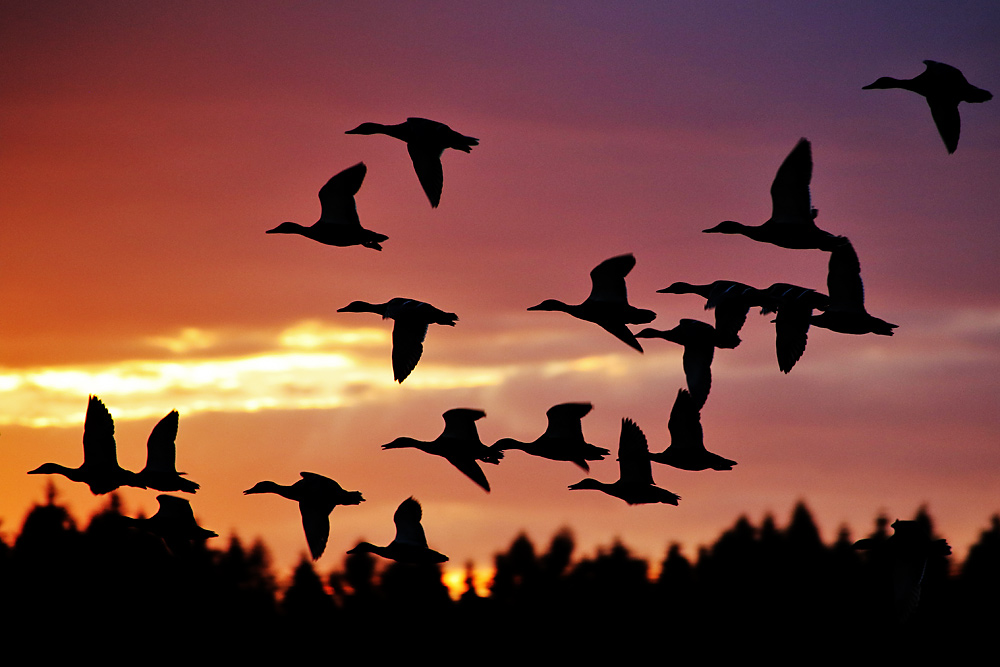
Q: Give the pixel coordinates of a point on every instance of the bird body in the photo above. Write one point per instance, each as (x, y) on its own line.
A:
(944, 87)
(338, 223)
(174, 523)
(317, 496)
(411, 319)
(459, 444)
(732, 302)
(160, 472)
(699, 340)
(846, 310)
(607, 306)
(100, 470)
(563, 437)
(410, 543)
(792, 222)
(687, 440)
(425, 141)
(635, 480)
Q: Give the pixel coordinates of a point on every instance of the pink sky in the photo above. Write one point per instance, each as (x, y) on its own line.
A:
(146, 149)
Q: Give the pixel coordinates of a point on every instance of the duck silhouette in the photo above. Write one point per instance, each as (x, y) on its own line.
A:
(160, 472)
(687, 440)
(410, 544)
(944, 87)
(425, 142)
(607, 306)
(317, 496)
(563, 437)
(338, 223)
(459, 443)
(699, 340)
(905, 555)
(794, 308)
(174, 523)
(792, 222)
(846, 310)
(100, 470)
(732, 302)
(411, 319)
(635, 480)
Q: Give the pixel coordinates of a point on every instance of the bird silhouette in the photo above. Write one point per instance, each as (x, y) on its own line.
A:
(100, 470)
(607, 306)
(905, 555)
(459, 443)
(338, 223)
(731, 301)
(411, 319)
(687, 440)
(425, 142)
(699, 340)
(794, 307)
(317, 496)
(410, 544)
(944, 87)
(846, 311)
(792, 222)
(635, 480)
(174, 523)
(563, 437)
(160, 472)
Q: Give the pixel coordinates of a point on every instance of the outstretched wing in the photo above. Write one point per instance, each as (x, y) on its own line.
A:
(336, 198)
(790, 188)
(99, 436)
(633, 455)
(427, 164)
(316, 524)
(407, 346)
(407, 520)
(161, 447)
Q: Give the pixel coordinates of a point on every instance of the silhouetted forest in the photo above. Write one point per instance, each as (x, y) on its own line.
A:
(758, 588)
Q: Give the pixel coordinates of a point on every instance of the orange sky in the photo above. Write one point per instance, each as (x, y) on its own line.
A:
(146, 149)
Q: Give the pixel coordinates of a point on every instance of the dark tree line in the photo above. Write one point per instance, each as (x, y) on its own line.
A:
(757, 588)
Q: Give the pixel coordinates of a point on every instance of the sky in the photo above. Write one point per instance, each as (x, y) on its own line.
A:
(146, 147)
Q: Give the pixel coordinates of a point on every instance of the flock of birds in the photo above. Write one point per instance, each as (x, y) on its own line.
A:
(791, 225)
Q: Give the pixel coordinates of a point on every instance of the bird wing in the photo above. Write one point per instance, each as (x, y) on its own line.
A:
(161, 447)
(407, 520)
(316, 524)
(470, 468)
(843, 279)
(99, 436)
(564, 420)
(336, 198)
(321, 481)
(407, 346)
(697, 362)
(460, 423)
(427, 164)
(790, 188)
(608, 279)
(633, 455)
(791, 329)
(685, 424)
(947, 119)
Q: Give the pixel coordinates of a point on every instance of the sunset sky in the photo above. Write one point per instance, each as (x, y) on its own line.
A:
(146, 147)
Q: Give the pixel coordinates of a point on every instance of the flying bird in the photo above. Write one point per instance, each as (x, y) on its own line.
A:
(635, 480)
(699, 340)
(607, 306)
(944, 87)
(563, 437)
(846, 311)
(794, 308)
(792, 222)
(317, 496)
(174, 523)
(160, 472)
(410, 544)
(100, 470)
(731, 301)
(687, 440)
(459, 443)
(338, 223)
(425, 141)
(411, 319)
